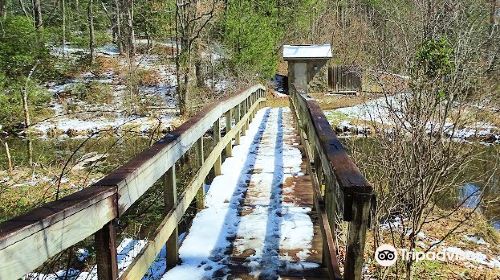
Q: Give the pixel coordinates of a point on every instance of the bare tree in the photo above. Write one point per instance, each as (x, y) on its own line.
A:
(21, 3)
(90, 19)
(37, 13)
(3, 8)
(126, 32)
(10, 167)
(118, 35)
(27, 118)
(191, 19)
(63, 10)
(417, 162)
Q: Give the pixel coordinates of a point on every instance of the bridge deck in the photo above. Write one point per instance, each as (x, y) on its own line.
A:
(258, 220)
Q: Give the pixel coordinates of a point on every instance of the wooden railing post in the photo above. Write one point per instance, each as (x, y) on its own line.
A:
(254, 99)
(245, 111)
(170, 197)
(357, 236)
(105, 244)
(200, 159)
(229, 123)
(218, 162)
(237, 118)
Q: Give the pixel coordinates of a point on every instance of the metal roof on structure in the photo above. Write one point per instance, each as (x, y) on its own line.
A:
(298, 52)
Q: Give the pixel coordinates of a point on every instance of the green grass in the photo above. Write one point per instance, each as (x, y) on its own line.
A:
(431, 269)
(335, 117)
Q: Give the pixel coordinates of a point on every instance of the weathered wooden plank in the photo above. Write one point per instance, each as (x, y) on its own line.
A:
(105, 245)
(331, 261)
(346, 187)
(53, 228)
(170, 202)
(357, 236)
(147, 255)
(346, 172)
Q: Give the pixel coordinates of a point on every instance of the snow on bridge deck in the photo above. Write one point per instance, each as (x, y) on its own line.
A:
(258, 221)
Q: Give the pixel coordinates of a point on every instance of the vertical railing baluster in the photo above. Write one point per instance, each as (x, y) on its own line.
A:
(200, 159)
(170, 200)
(237, 117)
(252, 101)
(218, 162)
(245, 111)
(229, 124)
(105, 245)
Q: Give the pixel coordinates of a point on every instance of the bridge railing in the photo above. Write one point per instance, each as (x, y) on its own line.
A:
(29, 240)
(341, 191)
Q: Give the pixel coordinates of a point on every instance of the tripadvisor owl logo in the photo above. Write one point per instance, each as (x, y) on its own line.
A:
(386, 255)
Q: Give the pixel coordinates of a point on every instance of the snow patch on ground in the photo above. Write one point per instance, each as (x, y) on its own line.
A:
(385, 109)
(126, 252)
(91, 118)
(473, 256)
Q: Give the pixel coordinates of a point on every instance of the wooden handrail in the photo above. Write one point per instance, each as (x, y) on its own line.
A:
(29, 240)
(339, 187)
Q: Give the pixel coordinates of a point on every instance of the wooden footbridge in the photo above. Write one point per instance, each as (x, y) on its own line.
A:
(322, 182)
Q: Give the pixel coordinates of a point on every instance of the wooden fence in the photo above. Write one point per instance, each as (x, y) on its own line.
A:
(341, 192)
(27, 241)
(344, 79)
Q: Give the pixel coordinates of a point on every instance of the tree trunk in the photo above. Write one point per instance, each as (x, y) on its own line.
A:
(9, 159)
(495, 5)
(27, 123)
(198, 69)
(90, 15)
(63, 3)
(130, 28)
(37, 14)
(3, 8)
(118, 26)
(21, 3)
(127, 30)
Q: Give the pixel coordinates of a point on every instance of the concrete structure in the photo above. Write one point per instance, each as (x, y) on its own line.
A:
(304, 63)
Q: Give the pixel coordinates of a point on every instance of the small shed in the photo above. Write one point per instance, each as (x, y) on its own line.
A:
(304, 63)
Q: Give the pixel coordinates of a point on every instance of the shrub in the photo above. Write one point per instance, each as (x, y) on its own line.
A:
(11, 110)
(93, 92)
(103, 64)
(148, 77)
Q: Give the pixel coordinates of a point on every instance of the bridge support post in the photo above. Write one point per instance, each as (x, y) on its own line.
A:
(105, 243)
(218, 162)
(200, 159)
(229, 124)
(170, 197)
(356, 236)
(237, 117)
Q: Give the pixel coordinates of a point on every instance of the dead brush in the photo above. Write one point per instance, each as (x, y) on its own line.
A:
(105, 64)
(147, 77)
